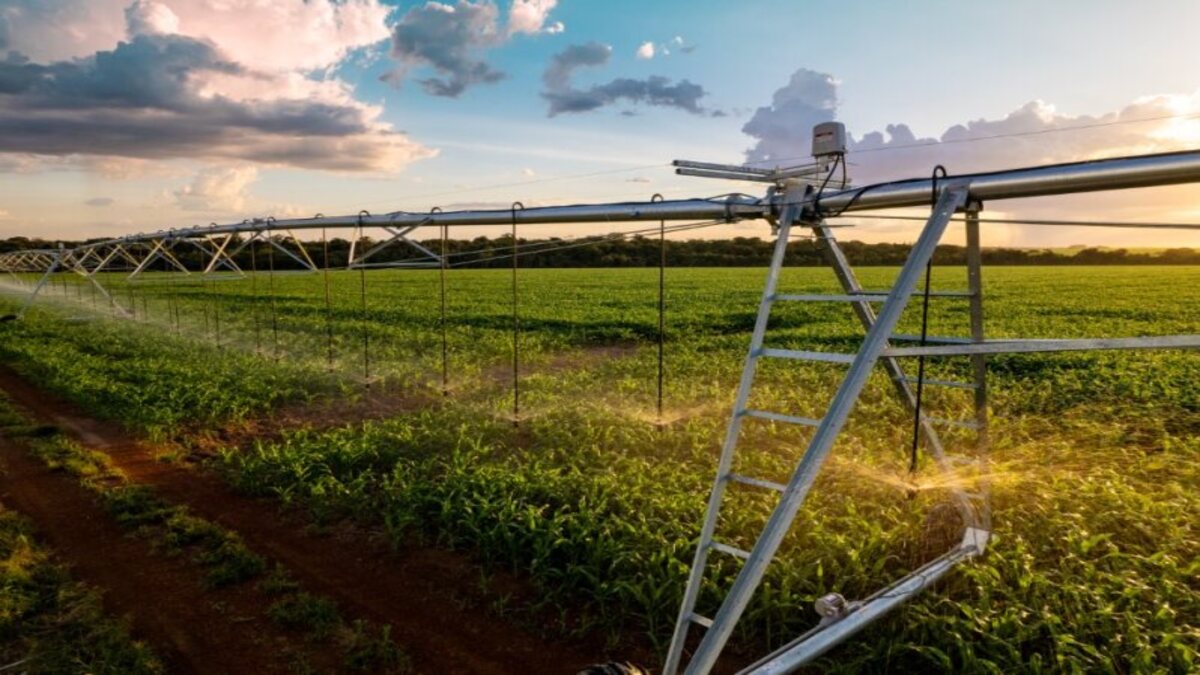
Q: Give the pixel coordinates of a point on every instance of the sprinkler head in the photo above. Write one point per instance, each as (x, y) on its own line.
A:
(830, 606)
(833, 607)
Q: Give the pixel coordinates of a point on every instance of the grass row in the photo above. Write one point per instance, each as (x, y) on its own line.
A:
(1094, 568)
(50, 623)
(222, 554)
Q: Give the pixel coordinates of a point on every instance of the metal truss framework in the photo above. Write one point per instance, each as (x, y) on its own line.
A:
(791, 202)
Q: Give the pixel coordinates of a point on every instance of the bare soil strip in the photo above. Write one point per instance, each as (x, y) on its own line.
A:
(428, 596)
(194, 629)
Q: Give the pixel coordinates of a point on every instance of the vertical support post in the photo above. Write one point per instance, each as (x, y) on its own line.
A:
(356, 234)
(914, 457)
(362, 283)
(978, 361)
(662, 307)
(253, 244)
(328, 301)
(78, 286)
(444, 262)
(172, 295)
(271, 293)
(516, 324)
(215, 296)
(132, 302)
(205, 303)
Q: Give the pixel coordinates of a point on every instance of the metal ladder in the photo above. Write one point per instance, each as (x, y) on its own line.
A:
(879, 332)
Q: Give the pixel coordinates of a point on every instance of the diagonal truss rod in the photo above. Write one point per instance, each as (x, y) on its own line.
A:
(220, 257)
(306, 262)
(160, 250)
(397, 235)
(215, 253)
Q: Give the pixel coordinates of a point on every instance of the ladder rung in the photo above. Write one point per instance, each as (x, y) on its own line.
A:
(778, 417)
(932, 294)
(856, 297)
(701, 620)
(942, 383)
(828, 357)
(757, 482)
(933, 339)
(953, 423)
(729, 550)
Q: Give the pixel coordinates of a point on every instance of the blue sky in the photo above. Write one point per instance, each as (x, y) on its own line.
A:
(926, 65)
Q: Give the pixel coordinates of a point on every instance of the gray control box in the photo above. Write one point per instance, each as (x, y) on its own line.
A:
(829, 138)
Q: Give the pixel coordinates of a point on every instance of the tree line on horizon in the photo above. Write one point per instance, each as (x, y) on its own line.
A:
(639, 251)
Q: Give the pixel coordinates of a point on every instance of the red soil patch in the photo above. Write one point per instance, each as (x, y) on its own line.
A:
(424, 594)
(193, 628)
(381, 402)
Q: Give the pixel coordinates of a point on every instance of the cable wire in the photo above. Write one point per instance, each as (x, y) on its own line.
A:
(662, 307)
(366, 335)
(442, 324)
(916, 438)
(516, 323)
(328, 301)
(271, 293)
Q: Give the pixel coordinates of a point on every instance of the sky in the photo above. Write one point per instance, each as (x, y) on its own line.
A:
(120, 116)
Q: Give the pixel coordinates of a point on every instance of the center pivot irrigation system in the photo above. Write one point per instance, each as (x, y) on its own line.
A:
(797, 197)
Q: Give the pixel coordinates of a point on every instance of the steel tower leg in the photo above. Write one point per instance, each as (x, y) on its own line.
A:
(687, 614)
(721, 626)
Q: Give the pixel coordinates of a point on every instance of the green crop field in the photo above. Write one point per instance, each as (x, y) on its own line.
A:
(1094, 467)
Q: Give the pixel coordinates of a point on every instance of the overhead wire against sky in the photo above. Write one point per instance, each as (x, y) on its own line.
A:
(992, 137)
(583, 241)
(884, 148)
(534, 181)
(516, 322)
(524, 248)
(931, 143)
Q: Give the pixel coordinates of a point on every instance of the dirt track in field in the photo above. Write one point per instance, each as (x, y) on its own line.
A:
(193, 628)
(430, 597)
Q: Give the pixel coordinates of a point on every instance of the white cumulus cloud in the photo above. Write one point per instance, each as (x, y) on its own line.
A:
(645, 50)
(216, 80)
(217, 189)
(529, 16)
(275, 35)
(145, 17)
